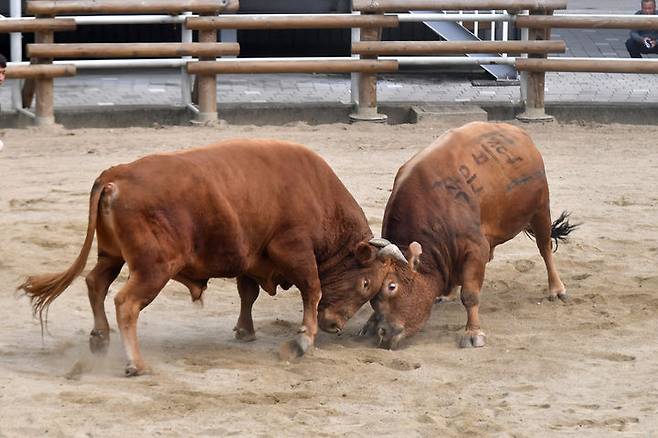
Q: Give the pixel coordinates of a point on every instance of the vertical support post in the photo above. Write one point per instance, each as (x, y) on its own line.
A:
(535, 82)
(185, 79)
(354, 77)
(207, 84)
(16, 40)
(366, 109)
(44, 109)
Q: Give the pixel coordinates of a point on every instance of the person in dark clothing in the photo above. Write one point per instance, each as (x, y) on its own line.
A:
(643, 41)
(3, 67)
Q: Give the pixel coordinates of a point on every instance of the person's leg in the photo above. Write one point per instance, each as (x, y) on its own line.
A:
(634, 48)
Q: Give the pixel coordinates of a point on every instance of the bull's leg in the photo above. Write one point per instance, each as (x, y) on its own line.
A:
(473, 277)
(297, 262)
(311, 294)
(98, 282)
(248, 290)
(541, 226)
(136, 294)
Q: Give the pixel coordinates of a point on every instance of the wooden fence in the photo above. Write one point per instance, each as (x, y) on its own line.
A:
(539, 21)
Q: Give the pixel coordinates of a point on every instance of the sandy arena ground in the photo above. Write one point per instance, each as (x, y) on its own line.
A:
(588, 368)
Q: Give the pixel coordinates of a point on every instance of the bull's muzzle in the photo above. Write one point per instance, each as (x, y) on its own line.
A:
(330, 322)
(389, 335)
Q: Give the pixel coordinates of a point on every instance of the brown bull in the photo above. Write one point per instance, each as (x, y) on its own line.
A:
(474, 188)
(267, 212)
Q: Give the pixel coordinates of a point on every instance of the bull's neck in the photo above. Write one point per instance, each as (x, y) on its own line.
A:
(440, 253)
(342, 256)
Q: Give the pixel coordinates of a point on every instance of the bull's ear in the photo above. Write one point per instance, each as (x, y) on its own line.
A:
(415, 250)
(365, 253)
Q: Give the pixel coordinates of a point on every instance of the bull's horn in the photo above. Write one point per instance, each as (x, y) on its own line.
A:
(379, 243)
(391, 250)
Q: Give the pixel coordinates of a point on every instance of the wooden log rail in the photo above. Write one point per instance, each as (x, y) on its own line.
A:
(37, 25)
(321, 66)
(58, 7)
(589, 65)
(279, 22)
(381, 6)
(37, 71)
(643, 22)
(132, 50)
(413, 48)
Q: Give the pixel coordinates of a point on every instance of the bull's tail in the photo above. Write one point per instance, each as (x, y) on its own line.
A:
(560, 229)
(44, 289)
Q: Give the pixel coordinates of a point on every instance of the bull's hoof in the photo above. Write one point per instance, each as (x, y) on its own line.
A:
(472, 339)
(99, 342)
(562, 296)
(133, 370)
(368, 329)
(295, 348)
(244, 335)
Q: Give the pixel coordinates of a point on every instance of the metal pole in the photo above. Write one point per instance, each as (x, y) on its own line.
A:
(354, 77)
(16, 53)
(185, 78)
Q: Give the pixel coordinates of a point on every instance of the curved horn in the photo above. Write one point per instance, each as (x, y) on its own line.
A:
(391, 250)
(379, 243)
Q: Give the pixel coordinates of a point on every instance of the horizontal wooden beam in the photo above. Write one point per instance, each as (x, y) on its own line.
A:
(277, 22)
(323, 66)
(56, 7)
(379, 6)
(648, 22)
(38, 24)
(132, 50)
(588, 65)
(40, 71)
(413, 48)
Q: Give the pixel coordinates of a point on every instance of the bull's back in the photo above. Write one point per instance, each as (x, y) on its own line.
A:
(489, 174)
(227, 200)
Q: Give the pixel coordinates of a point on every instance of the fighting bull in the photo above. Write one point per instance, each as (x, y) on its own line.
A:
(452, 203)
(270, 213)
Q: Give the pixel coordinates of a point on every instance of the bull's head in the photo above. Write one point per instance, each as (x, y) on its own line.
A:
(403, 304)
(345, 290)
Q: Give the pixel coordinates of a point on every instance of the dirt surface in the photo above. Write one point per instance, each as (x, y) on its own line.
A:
(587, 368)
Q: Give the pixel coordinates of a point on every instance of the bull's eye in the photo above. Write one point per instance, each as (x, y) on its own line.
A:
(366, 283)
(392, 286)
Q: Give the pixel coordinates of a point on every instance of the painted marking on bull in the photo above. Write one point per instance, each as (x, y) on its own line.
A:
(470, 178)
(495, 144)
(524, 180)
(510, 158)
(452, 185)
(481, 158)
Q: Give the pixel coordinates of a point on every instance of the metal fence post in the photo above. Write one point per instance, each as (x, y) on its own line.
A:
(185, 79)
(16, 40)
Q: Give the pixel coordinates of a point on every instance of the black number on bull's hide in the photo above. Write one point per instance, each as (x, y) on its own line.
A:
(453, 186)
(493, 145)
(470, 178)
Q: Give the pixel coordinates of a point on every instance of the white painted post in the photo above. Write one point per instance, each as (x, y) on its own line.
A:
(185, 79)
(524, 74)
(354, 77)
(476, 27)
(16, 39)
